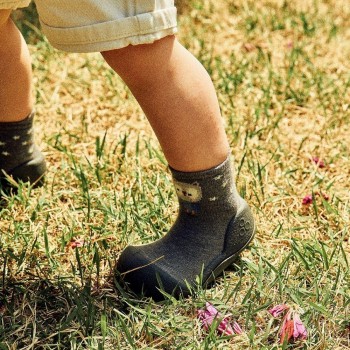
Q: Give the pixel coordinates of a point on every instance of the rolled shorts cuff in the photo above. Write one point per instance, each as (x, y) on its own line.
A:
(144, 28)
(13, 5)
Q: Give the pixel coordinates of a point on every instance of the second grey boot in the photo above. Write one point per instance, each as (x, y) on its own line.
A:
(19, 156)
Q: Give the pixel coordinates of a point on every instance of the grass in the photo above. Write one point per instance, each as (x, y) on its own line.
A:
(282, 73)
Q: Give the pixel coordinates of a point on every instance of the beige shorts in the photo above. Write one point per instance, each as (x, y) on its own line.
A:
(101, 25)
(12, 5)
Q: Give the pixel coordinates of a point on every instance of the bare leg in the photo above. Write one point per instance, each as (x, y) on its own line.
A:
(19, 156)
(15, 72)
(179, 99)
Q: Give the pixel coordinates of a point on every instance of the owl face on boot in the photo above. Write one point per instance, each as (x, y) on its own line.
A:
(188, 192)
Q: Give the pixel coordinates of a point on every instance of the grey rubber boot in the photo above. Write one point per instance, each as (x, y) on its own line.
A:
(20, 158)
(214, 225)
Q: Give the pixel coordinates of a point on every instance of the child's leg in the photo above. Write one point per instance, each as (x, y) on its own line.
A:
(19, 156)
(214, 224)
(15, 72)
(179, 99)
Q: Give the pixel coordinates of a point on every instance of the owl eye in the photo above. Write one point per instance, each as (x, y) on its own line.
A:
(190, 194)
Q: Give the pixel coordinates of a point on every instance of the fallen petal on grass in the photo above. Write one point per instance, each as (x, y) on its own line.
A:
(237, 328)
(287, 328)
(278, 310)
(76, 243)
(249, 47)
(210, 314)
(292, 326)
(310, 197)
(307, 199)
(319, 162)
(225, 328)
(299, 331)
(325, 196)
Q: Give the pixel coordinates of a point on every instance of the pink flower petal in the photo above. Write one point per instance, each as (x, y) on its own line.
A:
(300, 331)
(307, 199)
(278, 310)
(210, 308)
(237, 328)
(210, 314)
(207, 315)
(292, 327)
(76, 243)
(325, 196)
(249, 47)
(225, 328)
(287, 328)
(318, 162)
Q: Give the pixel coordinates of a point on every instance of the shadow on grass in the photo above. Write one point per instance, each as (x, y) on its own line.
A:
(44, 312)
